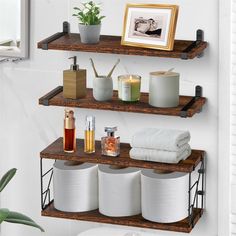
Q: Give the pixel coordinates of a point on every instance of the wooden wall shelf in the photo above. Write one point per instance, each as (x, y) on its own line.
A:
(135, 221)
(55, 151)
(183, 49)
(188, 106)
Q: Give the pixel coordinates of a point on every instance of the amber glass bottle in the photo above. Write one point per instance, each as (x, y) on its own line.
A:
(69, 140)
(89, 135)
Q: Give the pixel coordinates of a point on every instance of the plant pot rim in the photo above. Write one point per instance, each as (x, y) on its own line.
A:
(88, 25)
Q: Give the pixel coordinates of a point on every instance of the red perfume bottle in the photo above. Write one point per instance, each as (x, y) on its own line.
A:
(69, 140)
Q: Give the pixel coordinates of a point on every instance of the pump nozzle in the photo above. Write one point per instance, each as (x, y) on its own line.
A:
(74, 66)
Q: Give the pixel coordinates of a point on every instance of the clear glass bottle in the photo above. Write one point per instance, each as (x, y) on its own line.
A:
(110, 143)
(69, 140)
(89, 135)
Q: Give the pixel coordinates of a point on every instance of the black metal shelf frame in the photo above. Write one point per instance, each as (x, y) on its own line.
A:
(196, 189)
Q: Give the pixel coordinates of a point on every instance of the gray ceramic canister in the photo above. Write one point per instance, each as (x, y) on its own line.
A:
(103, 88)
(164, 89)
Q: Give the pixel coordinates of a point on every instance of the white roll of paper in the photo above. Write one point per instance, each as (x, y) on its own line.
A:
(164, 196)
(75, 186)
(164, 89)
(119, 191)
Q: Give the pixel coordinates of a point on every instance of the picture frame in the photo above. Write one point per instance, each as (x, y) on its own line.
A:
(150, 26)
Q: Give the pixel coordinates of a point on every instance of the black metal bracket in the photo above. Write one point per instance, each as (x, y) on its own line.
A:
(198, 94)
(51, 94)
(66, 30)
(199, 191)
(45, 192)
(199, 39)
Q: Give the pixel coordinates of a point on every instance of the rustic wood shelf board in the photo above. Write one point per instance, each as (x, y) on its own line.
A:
(135, 221)
(57, 99)
(55, 151)
(184, 49)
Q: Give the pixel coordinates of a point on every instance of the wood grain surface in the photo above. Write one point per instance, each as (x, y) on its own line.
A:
(135, 221)
(116, 105)
(112, 45)
(55, 151)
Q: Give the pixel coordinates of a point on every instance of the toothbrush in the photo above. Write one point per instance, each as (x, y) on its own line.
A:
(109, 75)
(95, 72)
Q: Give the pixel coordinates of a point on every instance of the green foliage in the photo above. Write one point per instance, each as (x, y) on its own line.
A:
(18, 218)
(11, 216)
(89, 14)
(3, 214)
(6, 178)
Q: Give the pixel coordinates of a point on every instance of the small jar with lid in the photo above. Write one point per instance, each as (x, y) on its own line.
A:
(110, 143)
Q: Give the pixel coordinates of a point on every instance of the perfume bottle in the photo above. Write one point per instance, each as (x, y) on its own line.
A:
(69, 140)
(110, 143)
(89, 135)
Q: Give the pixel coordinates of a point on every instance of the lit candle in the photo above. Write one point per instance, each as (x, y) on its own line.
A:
(129, 88)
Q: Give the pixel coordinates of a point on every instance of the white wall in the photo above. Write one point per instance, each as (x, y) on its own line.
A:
(9, 19)
(27, 128)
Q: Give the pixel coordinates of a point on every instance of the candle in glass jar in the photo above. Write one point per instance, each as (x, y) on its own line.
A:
(129, 88)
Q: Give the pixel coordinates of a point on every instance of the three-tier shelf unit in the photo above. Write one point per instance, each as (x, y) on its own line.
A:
(188, 107)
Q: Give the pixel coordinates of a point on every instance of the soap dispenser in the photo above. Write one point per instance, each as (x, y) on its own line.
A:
(74, 81)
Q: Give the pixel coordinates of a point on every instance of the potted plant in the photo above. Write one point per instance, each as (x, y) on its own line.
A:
(11, 216)
(89, 22)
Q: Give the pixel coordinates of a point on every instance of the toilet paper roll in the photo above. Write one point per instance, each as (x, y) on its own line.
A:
(164, 196)
(164, 89)
(119, 191)
(75, 186)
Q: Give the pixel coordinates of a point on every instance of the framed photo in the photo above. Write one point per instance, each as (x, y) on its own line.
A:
(150, 26)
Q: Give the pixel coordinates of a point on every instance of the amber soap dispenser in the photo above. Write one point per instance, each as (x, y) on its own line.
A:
(74, 81)
(69, 140)
(110, 143)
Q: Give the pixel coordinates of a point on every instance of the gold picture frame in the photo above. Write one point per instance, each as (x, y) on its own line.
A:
(141, 22)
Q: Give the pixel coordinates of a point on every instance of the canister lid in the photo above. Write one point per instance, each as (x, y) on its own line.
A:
(164, 74)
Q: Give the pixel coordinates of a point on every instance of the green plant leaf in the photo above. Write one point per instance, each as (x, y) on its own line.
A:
(18, 218)
(89, 14)
(6, 178)
(3, 214)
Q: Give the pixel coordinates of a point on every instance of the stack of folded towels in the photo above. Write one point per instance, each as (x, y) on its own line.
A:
(160, 145)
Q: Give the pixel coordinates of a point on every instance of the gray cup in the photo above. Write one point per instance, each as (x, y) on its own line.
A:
(89, 34)
(103, 88)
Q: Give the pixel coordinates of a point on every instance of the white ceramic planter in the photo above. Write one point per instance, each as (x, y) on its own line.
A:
(103, 88)
(89, 34)
(164, 89)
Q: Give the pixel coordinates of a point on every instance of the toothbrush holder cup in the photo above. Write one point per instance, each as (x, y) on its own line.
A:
(102, 88)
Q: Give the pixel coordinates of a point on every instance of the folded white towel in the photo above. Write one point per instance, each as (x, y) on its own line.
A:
(161, 139)
(160, 155)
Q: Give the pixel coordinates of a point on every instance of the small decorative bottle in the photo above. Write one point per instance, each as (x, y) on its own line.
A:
(89, 135)
(110, 143)
(69, 140)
